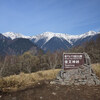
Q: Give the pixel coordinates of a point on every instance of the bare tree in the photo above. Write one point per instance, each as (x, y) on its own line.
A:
(3, 67)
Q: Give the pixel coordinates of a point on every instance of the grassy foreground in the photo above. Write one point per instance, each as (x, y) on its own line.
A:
(22, 81)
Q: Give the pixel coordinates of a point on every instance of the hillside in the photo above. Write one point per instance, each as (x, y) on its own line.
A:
(91, 47)
(3, 44)
(15, 47)
(19, 46)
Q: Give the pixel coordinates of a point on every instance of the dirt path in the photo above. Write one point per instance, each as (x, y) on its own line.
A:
(45, 91)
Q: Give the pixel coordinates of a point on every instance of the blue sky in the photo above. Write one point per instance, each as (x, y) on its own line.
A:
(31, 17)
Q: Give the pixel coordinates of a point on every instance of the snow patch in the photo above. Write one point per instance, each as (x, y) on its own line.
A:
(15, 35)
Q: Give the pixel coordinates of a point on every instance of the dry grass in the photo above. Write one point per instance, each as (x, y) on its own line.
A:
(22, 81)
(96, 68)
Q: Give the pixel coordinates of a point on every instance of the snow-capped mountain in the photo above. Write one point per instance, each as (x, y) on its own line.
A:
(15, 35)
(55, 41)
(90, 33)
(48, 35)
(16, 46)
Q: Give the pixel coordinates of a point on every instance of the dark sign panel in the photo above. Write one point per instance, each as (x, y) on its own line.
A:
(72, 60)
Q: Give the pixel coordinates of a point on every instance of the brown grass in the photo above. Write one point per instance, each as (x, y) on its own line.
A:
(22, 81)
(96, 68)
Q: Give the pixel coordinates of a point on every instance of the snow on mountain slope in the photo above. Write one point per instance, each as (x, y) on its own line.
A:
(15, 35)
(90, 33)
(56, 41)
(48, 35)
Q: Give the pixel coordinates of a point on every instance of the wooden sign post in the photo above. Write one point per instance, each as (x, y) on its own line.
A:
(73, 60)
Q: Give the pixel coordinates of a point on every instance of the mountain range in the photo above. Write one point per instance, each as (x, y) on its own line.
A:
(16, 43)
(16, 46)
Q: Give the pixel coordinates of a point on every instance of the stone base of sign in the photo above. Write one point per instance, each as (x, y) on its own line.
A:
(83, 75)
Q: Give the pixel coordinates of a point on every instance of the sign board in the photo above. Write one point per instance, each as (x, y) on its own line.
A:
(73, 60)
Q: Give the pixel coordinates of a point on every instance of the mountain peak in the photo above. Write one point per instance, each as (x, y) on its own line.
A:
(13, 35)
(92, 33)
(89, 33)
(54, 41)
(48, 35)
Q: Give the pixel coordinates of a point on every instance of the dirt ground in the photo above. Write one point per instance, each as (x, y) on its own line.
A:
(46, 91)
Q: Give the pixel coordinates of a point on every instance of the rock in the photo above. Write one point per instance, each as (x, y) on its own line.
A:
(63, 83)
(83, 75)
(14, 98)
(53, 93)
(0, 96)
(38, 83)
(76, 83)
(41, 97)
(52, 82)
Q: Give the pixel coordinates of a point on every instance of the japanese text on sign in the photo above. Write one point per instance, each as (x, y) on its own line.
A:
(73, 60)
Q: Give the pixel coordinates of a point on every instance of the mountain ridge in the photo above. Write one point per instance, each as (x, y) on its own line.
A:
(66, 36)
(47, 40)
(16, 46)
